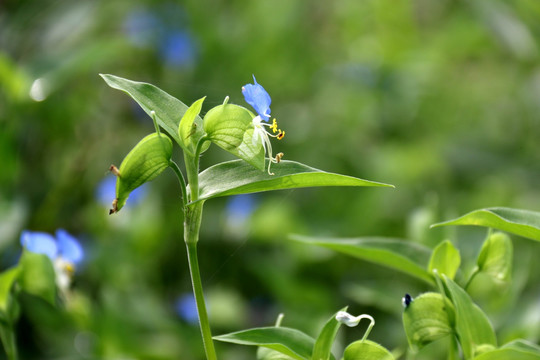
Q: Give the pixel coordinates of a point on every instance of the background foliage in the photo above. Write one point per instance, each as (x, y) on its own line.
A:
(440, 98)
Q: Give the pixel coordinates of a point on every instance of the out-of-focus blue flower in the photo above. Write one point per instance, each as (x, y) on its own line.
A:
(258, 98)
(178, 48)
(186, 308)
(106, 192)
(65, 246)
(142, 28)
(39, 242)
(241, 206)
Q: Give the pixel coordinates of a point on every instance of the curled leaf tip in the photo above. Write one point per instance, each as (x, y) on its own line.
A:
(114, 170)
(114, 207)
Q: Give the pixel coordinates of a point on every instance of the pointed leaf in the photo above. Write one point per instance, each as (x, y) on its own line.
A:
(143, 163)
(471, 324)
(325, 340)
(290, 342)
(445, 259)
(238, 177)
(366, 350)
(270, 354)
(401, 255)
(495, 258)
(188, 127)
(169, 110)
(7, 279)
(231, 128)
(426, 319)
(37, 276)
(520, 222)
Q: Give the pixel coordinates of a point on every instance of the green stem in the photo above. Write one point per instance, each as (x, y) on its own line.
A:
(8, 340)
(474, 273)
(181, 179)
(192, 224)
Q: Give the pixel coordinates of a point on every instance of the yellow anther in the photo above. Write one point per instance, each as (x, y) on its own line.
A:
(281, 134)
(70, 269)
(278, 157)
(274, 126)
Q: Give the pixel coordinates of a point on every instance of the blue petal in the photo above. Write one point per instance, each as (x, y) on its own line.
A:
(40, 243)
(257, 97)
(68, 247)
(186, 308)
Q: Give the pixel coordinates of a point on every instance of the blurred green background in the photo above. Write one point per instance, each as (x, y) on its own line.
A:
(438, 97)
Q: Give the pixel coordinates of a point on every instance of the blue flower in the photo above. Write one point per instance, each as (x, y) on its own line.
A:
(106, 192)
(186, 308)
(178, 49)
(257, 97)
(64, 247)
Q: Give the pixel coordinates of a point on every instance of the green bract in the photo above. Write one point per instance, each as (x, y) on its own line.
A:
(426, 320)
(445, 259)
(495, 258)
(231, 128)
(366, 350)
(144, 162)
(325, 340)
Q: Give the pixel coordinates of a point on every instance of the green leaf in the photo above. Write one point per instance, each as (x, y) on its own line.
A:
(290, 342)
(169, 110)
(325, 340)
(269, 354)
(7, 279)
(238, 177)
(426, 320)
(37, 276)
(407, 257)
(520, 222)
(144, 162)
(471, 324)
(231, 128)
(445, 259)
(495, 258)
(366, 350)
(508, 354)
(188, 127)
(522, 345)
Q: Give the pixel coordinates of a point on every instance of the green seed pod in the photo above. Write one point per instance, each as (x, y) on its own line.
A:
(144, 162)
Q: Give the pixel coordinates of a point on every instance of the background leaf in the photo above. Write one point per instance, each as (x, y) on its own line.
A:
(7, 279)
(445, 259)
(37, 276)
(472, 325)
(520, 222)
(409, 258)
(169, 110)
(230, 127)
(290, 342)
(426, 320)
(366, 350)
(238, 177)
(149, 158)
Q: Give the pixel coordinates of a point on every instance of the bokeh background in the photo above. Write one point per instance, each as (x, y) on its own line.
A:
(438, 97)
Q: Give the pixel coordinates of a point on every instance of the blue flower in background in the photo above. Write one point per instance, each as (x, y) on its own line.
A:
(64, 251)
(163, 29)
(106, 192)
(186, 308)
(64, 246)
(257, 97)
(178, 48)
(240, 207)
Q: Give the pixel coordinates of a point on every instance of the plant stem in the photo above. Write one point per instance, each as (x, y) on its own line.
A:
(192, 224)
(8, 340)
